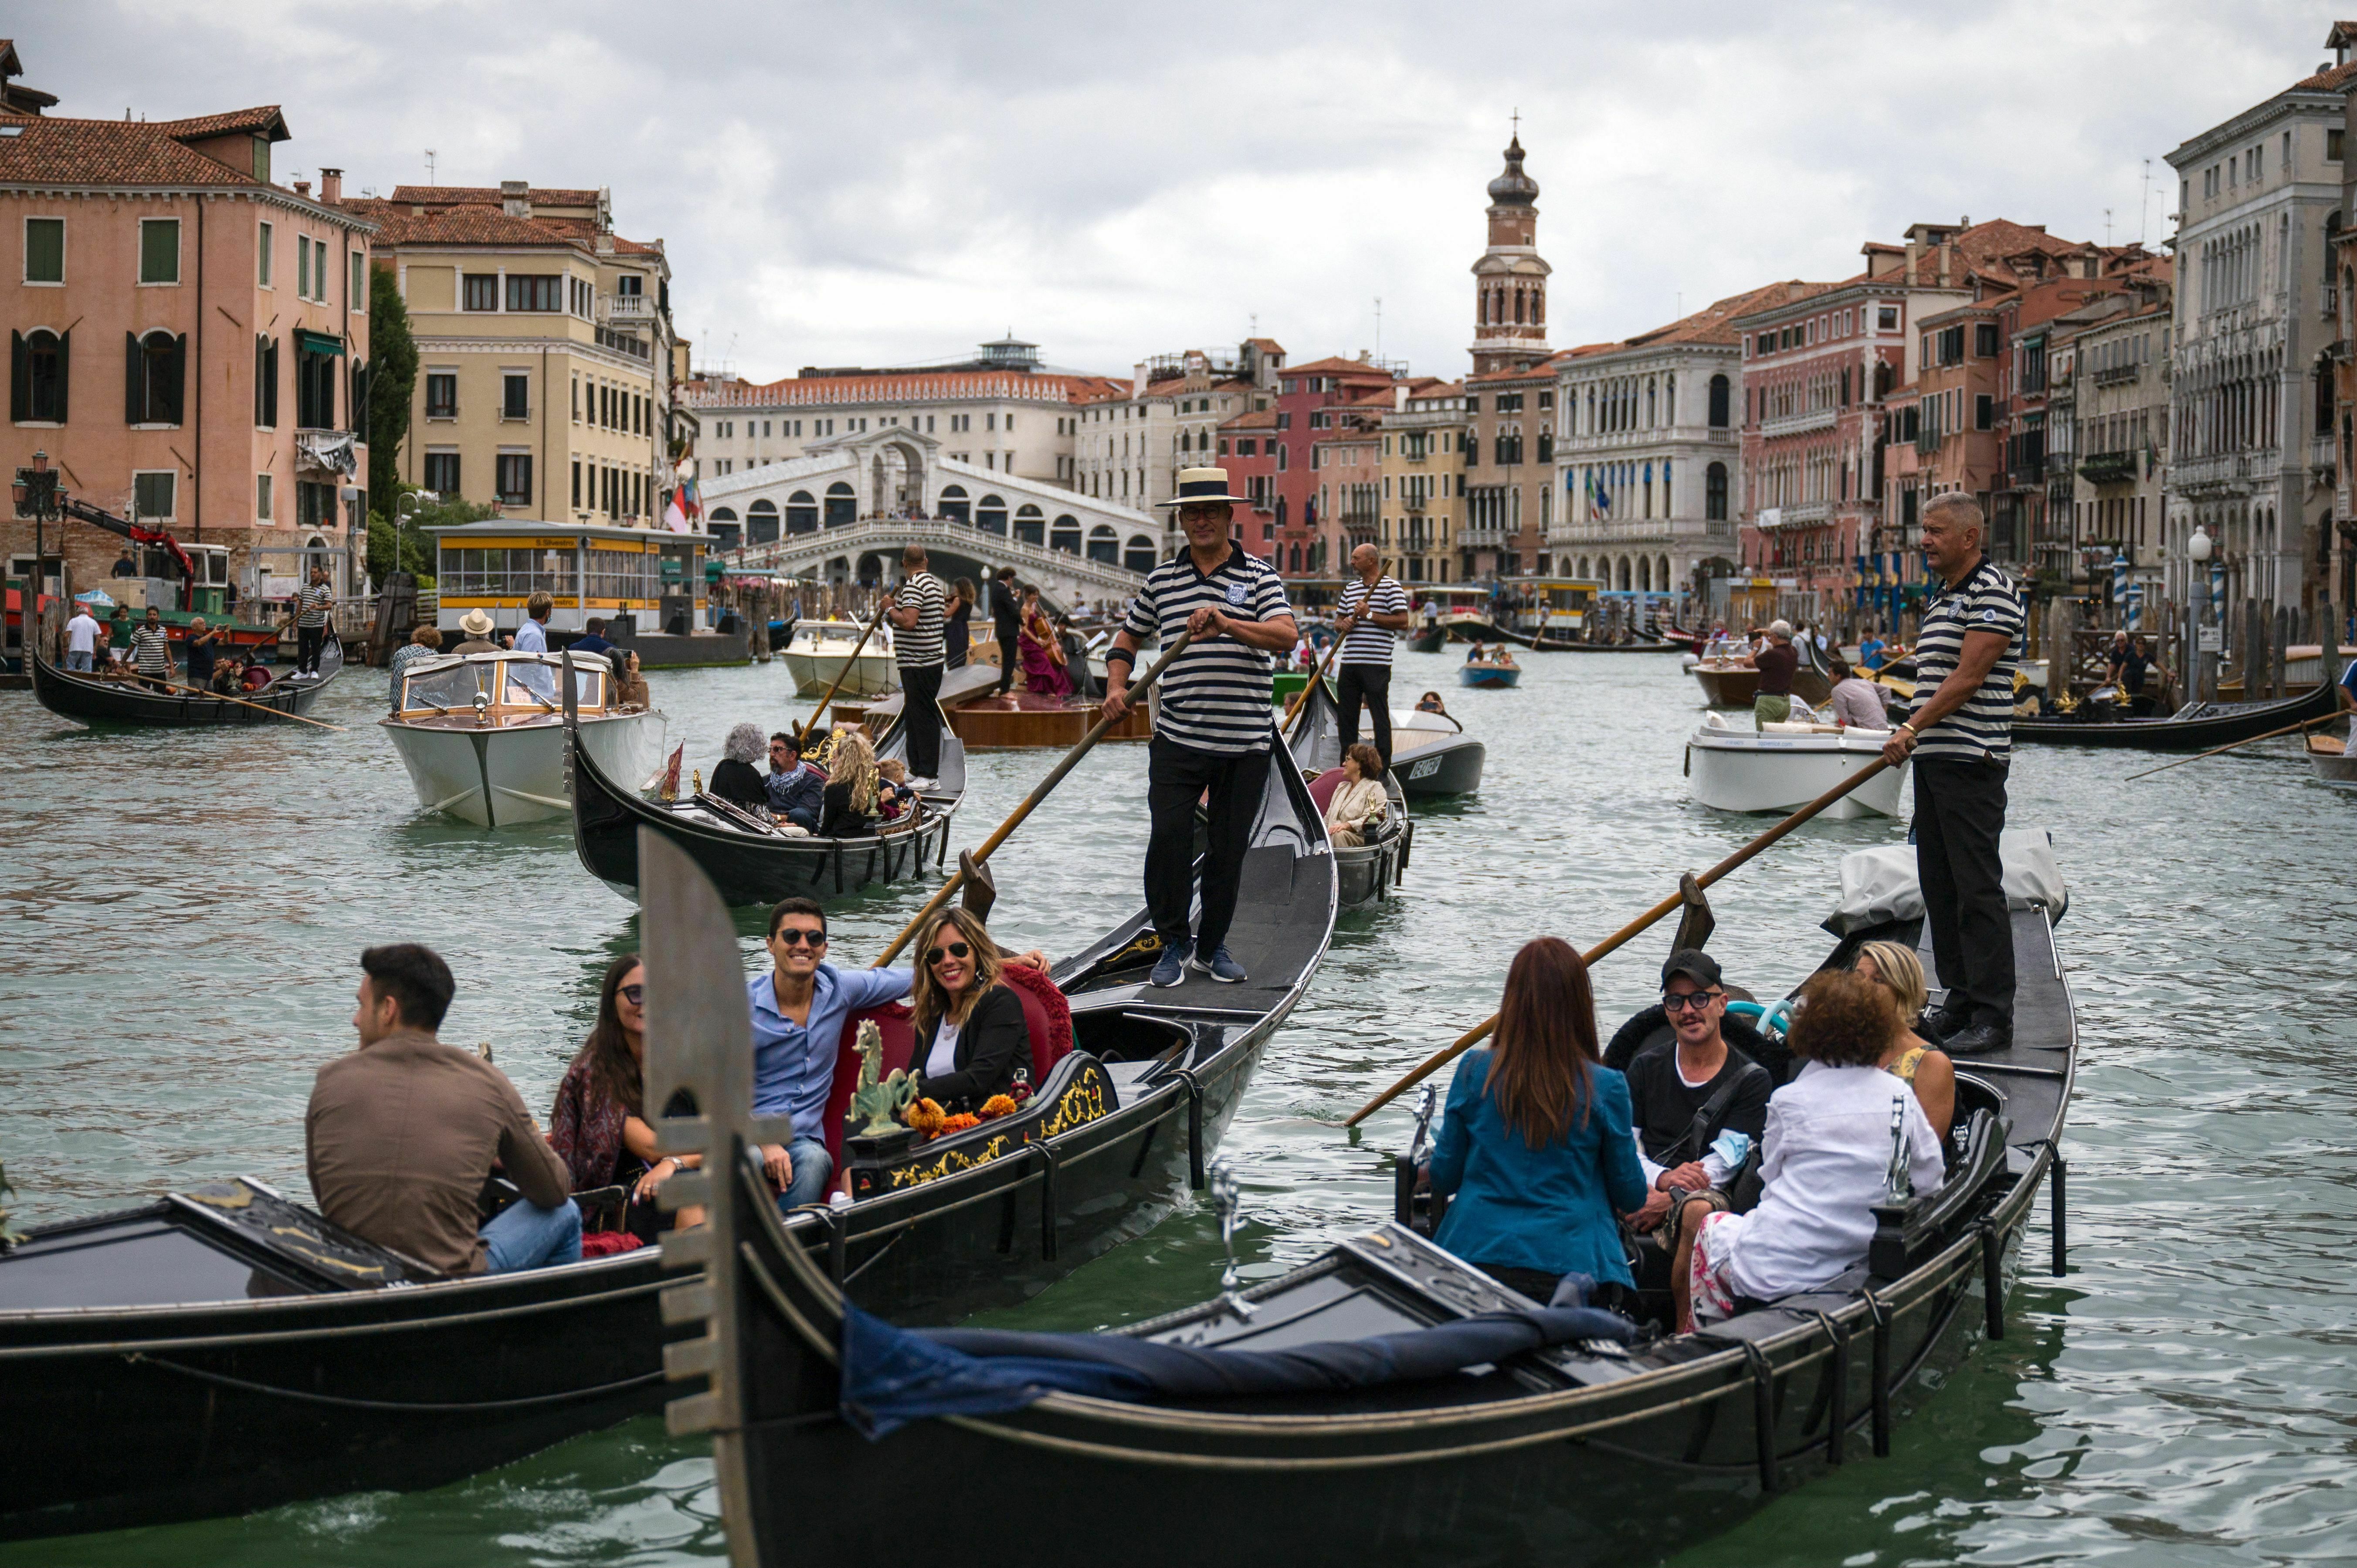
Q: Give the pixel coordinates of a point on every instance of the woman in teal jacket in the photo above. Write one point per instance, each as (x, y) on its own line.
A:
(1534, 1149)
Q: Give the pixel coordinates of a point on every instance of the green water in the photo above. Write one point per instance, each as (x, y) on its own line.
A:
(185, 909)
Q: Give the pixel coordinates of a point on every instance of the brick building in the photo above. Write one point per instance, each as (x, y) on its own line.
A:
(1310, 400)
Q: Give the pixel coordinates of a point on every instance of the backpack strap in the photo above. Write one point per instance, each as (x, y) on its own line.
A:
(1697, 1136)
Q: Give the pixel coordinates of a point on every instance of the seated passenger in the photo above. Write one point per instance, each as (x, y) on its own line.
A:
(1914, 1061)
(229, 674)
(1430, 703)
(1042, 651)
(1855, 700)
(797, 792)
(1359, 805)
(1534, 1145)
(1829, 1154)
(798, 1006)
(402, 1132)
(736, 780)
(854, 786)
(893, 798)
(1685, 1094)
(598, 1125)
(258, 675)
(1475, 656)
(969, 1029)
(629, 686)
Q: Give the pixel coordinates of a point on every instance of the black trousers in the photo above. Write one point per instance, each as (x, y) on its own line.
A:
(1372, 683)
(308, 640)
(1959, 811)
(1230, 785)
(923, 714)
(1010, 663)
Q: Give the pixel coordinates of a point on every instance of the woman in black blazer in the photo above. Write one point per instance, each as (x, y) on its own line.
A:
(969, 1032)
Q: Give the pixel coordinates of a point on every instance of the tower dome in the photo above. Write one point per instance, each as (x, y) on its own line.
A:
(1513, 188)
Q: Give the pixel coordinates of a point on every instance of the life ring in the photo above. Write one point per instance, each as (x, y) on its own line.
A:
(1774, 1022)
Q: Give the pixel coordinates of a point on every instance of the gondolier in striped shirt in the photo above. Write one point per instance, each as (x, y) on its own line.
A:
(151, 650)
(915, 609)
(312, 602)
(1960, 737)
(1372, 607)
(1212, 737)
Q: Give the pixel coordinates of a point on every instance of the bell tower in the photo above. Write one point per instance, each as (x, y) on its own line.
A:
(1509, 280)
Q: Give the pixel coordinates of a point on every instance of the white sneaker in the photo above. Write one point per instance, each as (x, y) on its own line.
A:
(923, 784)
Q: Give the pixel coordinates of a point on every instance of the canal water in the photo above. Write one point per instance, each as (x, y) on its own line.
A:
(184, 911)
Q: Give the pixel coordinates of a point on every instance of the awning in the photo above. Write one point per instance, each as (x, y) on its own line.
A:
(316, 343)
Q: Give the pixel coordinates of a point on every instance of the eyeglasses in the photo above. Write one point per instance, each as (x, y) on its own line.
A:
(1682, 1001)
(955, 950)
(794, 936)
(633, 995)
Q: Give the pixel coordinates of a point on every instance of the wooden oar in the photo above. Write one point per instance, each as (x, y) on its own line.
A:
(1135, 694)
(1668, 905)
(802, 737)
(2222, 750)
(241, 702)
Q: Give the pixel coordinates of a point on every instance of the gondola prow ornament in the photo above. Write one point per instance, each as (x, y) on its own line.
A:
(1227, 1198)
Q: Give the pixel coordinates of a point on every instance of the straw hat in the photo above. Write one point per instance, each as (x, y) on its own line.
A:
(1202, 485)
(474, 623)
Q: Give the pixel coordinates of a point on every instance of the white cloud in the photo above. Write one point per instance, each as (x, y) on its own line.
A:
(862, 184)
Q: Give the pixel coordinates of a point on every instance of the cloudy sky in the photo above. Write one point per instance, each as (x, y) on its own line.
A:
(891, 183)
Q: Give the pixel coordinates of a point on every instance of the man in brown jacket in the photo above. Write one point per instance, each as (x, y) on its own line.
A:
(401, 1133)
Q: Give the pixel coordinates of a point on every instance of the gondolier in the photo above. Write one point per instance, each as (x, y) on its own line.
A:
(1212, 737)
(312, 602)
(1370, 609)
(915, 608)
(1960, 736)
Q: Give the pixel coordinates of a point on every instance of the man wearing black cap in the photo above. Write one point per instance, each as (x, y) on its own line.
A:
(1684, 1093)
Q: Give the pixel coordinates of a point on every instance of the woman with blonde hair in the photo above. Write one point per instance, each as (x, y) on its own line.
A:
(1914, 1061)
(969, 1032)
(853, 784)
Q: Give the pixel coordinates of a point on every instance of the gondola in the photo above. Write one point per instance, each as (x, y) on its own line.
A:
(91, 699)
(224, 1350)
(750, 860)
(1431, 640)
(1367, 873)
(1551, 645)
(1405, 1426)
(2197, 726)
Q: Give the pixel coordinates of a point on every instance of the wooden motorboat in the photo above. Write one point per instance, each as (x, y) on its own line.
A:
(1367, 872)
(483, 735)
(1488, 675)
(116, 700)
(1733, 682)
(2332, 762)
(2197, 726)
(751, 859)
(1420, 1414)
(978, 715)
(1433, 756)
(1782, 767)
(820, 651)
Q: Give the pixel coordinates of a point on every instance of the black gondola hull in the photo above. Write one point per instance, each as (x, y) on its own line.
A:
(123, 703)
(2229, 724)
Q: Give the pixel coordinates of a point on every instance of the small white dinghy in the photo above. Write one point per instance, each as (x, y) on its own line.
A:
(1784, 766)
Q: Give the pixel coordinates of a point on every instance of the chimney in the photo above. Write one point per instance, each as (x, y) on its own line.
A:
(303, 187)
(1137, 380)
(331, 185)
(515, 198)
(1947, 261)
(1399, 398)
(1914, 257)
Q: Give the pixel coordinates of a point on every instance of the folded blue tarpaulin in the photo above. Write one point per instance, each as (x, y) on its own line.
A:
(893, 1376)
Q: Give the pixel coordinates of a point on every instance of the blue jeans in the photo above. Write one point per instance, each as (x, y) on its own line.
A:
(526, 1236)
(814, 1169)
(78, 661)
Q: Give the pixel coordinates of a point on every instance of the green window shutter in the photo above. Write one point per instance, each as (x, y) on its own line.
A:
(176, 378)
(134, 406)
(65, 365)
(261, 375)
(20, 377)
(159, 251)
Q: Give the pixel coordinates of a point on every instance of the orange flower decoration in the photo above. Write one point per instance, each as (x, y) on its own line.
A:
(926, 1116)
(997, 1105)
(958, 1124)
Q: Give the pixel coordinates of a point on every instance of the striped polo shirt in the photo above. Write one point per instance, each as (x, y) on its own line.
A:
(1982, 729)
(1369, 643)
(311, 602)
(151, 649)
(920, 647)
(1215, 695)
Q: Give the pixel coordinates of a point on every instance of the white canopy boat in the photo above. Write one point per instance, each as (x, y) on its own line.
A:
(483, 736)
(818, 653)
(1784, 766)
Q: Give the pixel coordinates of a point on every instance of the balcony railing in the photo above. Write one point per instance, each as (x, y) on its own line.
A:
(629, 309)
(2109, 467)
(1799, 423)
(2117, 375)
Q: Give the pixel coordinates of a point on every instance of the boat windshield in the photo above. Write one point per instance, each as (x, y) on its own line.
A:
(448, 690)
(506, 685)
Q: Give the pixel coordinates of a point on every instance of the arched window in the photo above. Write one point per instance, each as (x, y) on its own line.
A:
(1140, 554)
(1669, 399)
(955, 504)
(990, 515)
(842, 505)
(761, 523)
(1583, 566)
(1066, 536)
(41, 378)
(1661, 575)
(1648, 402)
(721, 525)
(1104, 545)
(1718, 402)
(801, 513)
(157, 364)
(1714, 492)
(1624, 574)
(1645, 575)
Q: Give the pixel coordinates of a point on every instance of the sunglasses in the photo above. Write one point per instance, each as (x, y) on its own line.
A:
(633, 995)
(794, 937)
(954, 949)
(1682, 1001)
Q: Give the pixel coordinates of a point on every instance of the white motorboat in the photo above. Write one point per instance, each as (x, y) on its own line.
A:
(1784, 766)
(819, 649)
(483, 736)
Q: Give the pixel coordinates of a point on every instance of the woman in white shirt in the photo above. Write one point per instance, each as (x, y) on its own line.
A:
(1359, 805)
(1827, 1156)
(969, 1032)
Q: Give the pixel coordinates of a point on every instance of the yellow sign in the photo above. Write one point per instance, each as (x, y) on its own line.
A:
(517, 543)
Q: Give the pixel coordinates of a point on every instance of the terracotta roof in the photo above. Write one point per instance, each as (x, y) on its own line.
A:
(263, 120)
(1258, 419)
(2330, 79)
(397, 225)
(49, 150)
(1337, 366)
(1714, 323)
(487, 196)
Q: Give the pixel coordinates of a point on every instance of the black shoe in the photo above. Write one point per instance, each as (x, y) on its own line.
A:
(1939, 1024)
(1978, 1039)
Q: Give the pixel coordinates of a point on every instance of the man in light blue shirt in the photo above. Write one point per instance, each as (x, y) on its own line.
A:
(531, 637)
(798, 1013)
